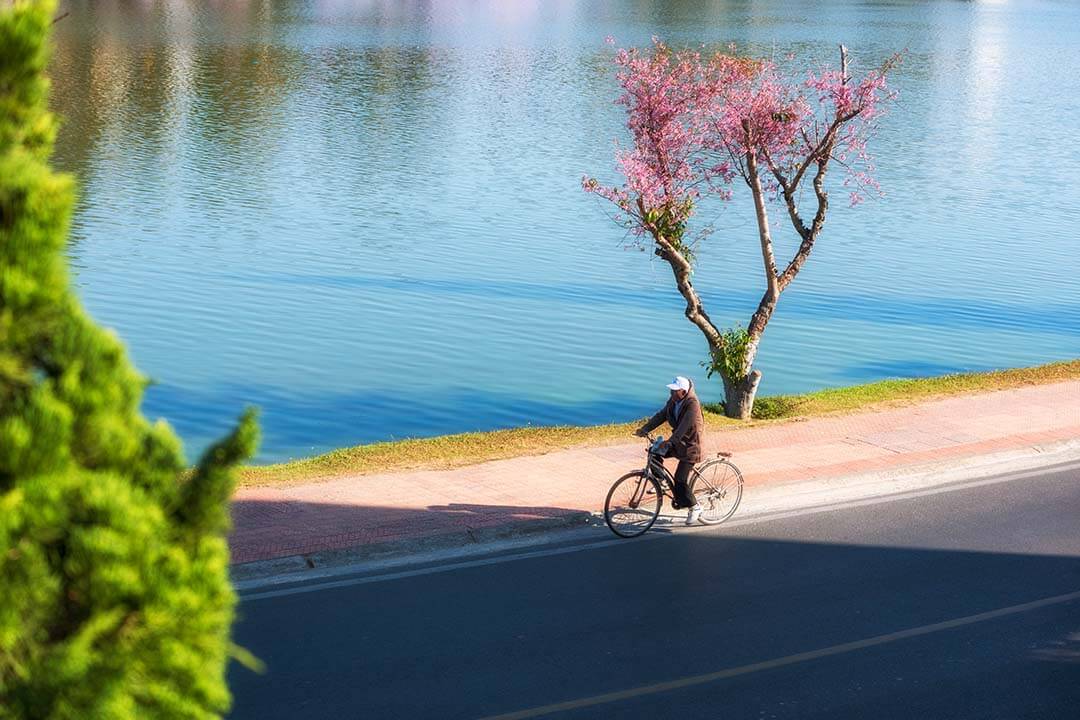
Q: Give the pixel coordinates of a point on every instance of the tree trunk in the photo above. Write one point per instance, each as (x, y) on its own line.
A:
(739, 397)
(681, 268)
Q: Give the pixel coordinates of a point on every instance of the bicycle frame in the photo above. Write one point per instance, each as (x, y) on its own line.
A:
(648, 486)
(654, 469)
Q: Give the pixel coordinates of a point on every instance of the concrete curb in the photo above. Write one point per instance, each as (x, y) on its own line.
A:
(475, 537)
(758, 500)
(939, 472)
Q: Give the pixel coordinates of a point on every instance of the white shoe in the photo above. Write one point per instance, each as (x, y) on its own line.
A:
(693, 515)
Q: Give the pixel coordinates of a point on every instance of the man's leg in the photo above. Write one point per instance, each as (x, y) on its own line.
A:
(683, 496)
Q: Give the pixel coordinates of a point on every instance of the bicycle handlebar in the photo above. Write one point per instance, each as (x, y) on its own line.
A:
(654, 441)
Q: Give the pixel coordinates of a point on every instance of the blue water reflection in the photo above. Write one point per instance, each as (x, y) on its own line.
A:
(366, 217)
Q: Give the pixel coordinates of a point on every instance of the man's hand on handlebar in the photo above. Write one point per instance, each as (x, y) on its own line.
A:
(642, 433)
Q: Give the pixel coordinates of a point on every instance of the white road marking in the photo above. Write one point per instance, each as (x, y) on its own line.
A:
(781, 662)
(596, 545)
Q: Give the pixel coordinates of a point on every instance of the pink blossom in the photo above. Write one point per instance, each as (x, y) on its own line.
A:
(667, 96)
(697, 121)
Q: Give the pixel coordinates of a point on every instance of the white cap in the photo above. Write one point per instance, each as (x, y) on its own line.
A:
(679, 383)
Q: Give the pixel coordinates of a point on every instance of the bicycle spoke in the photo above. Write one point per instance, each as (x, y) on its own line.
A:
(718, 487)
(632, 505)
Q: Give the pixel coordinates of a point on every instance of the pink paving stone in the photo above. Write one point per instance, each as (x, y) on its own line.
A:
(350, 511)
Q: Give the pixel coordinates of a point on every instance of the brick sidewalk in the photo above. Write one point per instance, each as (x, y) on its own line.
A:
(362, 510)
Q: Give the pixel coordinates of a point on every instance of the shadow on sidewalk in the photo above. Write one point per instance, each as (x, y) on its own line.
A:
(264, 530)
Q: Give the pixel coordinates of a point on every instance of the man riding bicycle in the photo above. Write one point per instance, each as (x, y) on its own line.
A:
(683, 413)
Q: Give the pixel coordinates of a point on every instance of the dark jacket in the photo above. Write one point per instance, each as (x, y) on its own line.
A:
(688, 426)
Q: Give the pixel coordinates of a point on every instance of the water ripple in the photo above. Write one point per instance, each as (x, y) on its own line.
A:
(366, 217)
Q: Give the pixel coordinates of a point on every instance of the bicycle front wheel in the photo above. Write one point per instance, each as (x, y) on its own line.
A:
(718, 488)
(632, 504)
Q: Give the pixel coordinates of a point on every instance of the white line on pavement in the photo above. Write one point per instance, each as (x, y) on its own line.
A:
(437, 569)
(780, 662)
(566, 549)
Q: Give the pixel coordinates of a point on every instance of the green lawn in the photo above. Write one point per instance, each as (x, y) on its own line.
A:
(469, 448)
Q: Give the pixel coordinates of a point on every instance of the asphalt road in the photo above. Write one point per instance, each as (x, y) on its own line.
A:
(961, 604)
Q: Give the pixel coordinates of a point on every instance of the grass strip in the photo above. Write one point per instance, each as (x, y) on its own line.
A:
(449, 451)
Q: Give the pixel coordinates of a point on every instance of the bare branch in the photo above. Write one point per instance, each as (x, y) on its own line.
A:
(818, 150)
(764, 234)
(810, 237)
(761, 316)
(681, 269)
(788, 191)
(775, 170)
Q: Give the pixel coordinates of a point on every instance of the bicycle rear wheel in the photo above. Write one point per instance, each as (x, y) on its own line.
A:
(718, 488)
(632, 504)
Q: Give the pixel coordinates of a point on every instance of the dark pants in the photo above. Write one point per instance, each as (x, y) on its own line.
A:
(684, 498)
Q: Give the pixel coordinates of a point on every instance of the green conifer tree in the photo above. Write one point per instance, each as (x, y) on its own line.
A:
(114, 592)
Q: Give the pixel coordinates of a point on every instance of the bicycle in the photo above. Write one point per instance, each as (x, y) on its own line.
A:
(634, 501)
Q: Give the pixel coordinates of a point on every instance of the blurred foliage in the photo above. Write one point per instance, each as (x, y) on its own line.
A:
(114, 593)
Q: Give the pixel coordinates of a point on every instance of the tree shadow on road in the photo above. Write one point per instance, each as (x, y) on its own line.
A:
(503, 637)
(264, 530)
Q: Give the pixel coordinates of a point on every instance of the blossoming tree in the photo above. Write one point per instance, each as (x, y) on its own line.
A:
(698, 124)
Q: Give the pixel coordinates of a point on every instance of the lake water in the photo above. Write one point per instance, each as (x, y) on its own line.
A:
(366, 217)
